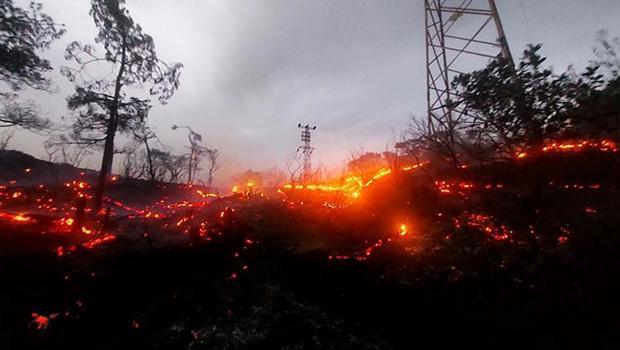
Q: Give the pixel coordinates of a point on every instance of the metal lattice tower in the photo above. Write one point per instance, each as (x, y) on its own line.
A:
(306, 150)
(459, 38)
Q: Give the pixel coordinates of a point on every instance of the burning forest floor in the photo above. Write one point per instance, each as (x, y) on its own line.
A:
(402, 260)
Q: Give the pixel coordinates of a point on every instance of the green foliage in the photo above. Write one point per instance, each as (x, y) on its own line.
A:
(24, 115)
(608, 53)
(513, 106)
(102, 102)
(509, 108)
(598, 94)
(22, 34)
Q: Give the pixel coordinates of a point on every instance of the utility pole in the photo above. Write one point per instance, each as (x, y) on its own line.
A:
(458, 39)
(306, 150)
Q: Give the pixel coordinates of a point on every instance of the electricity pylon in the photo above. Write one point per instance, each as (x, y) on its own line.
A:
(459, 38)
(306, 150)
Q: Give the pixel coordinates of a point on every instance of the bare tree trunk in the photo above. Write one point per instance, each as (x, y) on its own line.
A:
(149, 160)
(5, 138)
(191, 166)
(108, 150)
(106, 166)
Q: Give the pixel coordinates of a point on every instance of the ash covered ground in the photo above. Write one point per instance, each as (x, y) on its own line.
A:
(408, 261)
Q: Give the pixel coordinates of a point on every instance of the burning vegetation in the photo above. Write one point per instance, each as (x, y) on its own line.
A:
(400, 225)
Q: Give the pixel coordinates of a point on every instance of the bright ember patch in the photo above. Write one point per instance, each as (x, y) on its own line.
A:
(574, 146)
(403, 230)
(16, 218)
(40, 321)
(98, 241)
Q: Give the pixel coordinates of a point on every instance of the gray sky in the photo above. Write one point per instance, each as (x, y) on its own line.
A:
(255, 68)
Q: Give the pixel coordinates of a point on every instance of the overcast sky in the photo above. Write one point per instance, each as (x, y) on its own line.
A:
(355, 68)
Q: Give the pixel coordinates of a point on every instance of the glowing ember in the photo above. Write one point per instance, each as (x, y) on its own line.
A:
(461, 188)
(21, 218)
(16, 218)
(98, 241)
(485, 224)
(206, 195)
(604, 146)
(351, 186)
(40, 321)
(574, 146)
(403, 230)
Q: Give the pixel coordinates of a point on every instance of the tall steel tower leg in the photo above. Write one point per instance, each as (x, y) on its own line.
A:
(458, 39)
(502, 35)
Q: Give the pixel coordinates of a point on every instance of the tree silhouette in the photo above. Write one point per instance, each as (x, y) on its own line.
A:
(22, 34)
(212, 156)
(509, 109)
(196, 151)
(102, 104)
(24, 115)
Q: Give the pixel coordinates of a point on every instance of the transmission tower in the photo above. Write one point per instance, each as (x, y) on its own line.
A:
(459, 38)
(306, 149)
